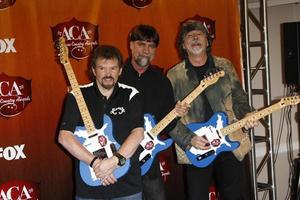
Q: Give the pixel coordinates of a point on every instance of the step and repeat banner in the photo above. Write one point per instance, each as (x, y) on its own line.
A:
(33, 84)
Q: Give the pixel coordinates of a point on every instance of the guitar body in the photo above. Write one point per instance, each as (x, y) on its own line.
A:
(152, 145)
(101, 143)
(218, 143)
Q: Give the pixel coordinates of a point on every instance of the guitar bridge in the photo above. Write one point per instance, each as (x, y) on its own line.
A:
(113, 147)
(143, 160)
(101, 153)
(205, 155)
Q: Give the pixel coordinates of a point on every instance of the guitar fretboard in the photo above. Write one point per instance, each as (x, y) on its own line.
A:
(260, 114)
(87, 120)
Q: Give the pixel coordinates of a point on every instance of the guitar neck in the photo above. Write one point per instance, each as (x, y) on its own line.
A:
(254, 117)
(172, 115)
(86, 117)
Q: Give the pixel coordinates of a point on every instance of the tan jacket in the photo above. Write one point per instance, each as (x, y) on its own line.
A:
(227, 95)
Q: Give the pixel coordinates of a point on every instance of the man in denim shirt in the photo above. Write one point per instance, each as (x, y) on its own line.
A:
(227, 95)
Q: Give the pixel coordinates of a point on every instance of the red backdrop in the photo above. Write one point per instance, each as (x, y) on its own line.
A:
(27, 51)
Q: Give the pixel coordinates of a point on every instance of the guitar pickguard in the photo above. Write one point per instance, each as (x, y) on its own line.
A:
(152, 145)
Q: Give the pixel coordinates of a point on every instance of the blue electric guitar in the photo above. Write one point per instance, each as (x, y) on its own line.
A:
(100, 142)
(217, 130)
(151, 144)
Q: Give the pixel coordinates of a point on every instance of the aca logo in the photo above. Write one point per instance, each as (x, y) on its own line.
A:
(81, 37)
(212, 193)
(19, 190)
(164, 166)
(7, 45)
(15, 152)
(15, 95)
(6, 3)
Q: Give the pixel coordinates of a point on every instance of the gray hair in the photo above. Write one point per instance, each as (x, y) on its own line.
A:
(187, 27)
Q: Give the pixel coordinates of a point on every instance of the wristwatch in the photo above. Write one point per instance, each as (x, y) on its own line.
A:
(121, 159)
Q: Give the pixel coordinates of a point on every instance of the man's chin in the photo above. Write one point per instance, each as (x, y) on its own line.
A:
(143, 63)
(197, 51)
(108, 86)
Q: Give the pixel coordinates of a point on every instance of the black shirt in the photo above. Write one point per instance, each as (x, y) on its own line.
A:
(124, 109)
(201, 72)
(156, 94)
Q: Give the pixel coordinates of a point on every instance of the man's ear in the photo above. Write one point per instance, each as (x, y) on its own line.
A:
(93, 70)
(131, 45)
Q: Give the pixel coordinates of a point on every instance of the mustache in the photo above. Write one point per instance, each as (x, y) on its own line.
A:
(108, 77)
(196, 43)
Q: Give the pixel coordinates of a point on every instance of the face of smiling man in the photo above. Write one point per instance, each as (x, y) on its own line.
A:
(195, 43)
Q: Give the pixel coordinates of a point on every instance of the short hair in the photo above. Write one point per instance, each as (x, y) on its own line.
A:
(106, 52)
(187, 27)
(144, 33)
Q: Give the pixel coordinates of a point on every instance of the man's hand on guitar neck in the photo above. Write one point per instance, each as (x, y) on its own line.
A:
(250, 123)
(181, 108)
(104, 170)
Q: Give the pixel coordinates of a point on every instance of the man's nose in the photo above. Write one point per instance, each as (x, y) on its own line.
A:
(147, 49)
(108, 72)
(195, 37)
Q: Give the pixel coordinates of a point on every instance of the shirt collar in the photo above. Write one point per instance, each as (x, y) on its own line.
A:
(115, 90)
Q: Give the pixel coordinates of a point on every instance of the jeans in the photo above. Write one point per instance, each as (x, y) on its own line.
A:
(137, 196)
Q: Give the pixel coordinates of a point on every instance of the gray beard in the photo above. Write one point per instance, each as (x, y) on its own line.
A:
(142, 61)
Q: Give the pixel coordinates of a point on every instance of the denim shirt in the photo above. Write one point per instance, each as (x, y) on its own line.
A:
(226, 95)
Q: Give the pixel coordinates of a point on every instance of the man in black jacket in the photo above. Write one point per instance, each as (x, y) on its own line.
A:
(156, 94)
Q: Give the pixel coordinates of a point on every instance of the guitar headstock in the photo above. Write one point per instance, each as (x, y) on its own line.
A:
(288, 101)
(63, 51)
(212, 78)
